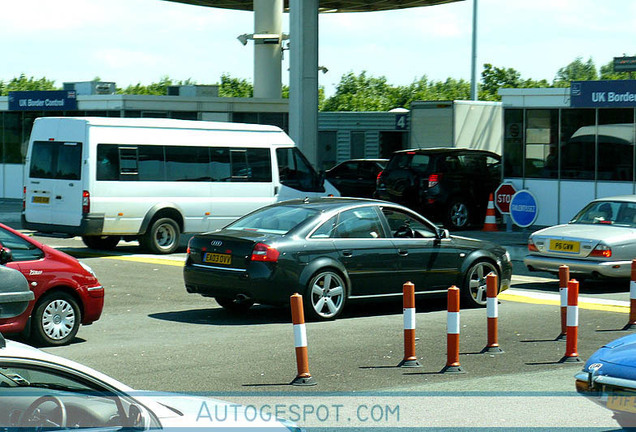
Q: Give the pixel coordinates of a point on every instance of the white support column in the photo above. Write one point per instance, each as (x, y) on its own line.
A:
(268, 19)
(303, 83)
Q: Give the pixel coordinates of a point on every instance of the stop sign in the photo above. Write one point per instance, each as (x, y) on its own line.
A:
(503, 196)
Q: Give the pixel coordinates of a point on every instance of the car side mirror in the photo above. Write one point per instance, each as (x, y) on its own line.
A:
(443, 233)
(135, 417)
(5, 255)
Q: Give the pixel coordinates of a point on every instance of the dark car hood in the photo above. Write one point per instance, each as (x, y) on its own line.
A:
(616, 359)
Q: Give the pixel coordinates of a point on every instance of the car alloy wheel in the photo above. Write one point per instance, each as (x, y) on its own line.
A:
(458, 215)
(56, 319)
(326, 295)
(475, 287)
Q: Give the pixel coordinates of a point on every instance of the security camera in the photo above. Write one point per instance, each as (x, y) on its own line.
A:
(244, 38)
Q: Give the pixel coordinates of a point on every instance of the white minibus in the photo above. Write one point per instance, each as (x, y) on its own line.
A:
(152, 179)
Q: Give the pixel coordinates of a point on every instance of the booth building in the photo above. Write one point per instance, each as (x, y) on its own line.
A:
(569, 146)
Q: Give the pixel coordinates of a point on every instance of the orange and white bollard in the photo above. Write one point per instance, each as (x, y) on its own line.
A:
(571, 354)
(410, 359)
(452, 333)
(492, 311)
(564, 278)
(303, 378)
(632, 299)
(490, 223)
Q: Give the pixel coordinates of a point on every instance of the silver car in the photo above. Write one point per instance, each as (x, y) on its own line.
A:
(600, 241)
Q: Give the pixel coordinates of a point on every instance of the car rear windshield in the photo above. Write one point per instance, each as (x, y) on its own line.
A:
(415, 161)
(608, 213)
(275, 220)
(56, 160)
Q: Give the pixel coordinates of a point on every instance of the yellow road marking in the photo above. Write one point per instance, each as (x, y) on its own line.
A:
(147, 260)
(545, 301)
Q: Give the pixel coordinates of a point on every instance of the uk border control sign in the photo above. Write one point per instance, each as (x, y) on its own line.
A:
(523, 208)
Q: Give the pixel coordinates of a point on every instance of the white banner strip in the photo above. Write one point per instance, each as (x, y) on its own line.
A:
(492, 307)
(564, 297)
(300, 335)
(452, 323)
(573, 316)
(409, 319)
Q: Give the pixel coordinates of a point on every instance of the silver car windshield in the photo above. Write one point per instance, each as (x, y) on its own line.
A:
(608, 213)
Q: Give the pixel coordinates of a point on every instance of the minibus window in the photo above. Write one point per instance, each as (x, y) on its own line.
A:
(56, 160)
(240, 169)
(295, 171)
(260, 163)
(128, 160)
(220, 164)
(107, 162)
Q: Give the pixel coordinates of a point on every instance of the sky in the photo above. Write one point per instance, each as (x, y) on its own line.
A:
(141, 41)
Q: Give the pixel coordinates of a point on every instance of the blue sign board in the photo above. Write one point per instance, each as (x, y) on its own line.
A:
(523, 208)
(56, 100)
(604, 94)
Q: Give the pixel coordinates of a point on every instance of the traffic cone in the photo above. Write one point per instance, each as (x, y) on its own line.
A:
(490, 224)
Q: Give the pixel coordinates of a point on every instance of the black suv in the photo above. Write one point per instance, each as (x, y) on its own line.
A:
(451, 185)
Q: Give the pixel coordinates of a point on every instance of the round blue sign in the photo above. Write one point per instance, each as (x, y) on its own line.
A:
(523, 208)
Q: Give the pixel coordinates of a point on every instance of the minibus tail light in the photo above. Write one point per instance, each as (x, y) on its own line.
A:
(264, 253)
(86, 202)
(24, 198)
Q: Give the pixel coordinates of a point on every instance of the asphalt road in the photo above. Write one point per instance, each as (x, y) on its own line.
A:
(155, 336)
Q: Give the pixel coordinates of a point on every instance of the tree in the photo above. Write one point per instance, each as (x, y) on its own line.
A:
(22, 83)
(361, 93)
(235, 87)
(158, 89)
(608, 73)
(576, 71)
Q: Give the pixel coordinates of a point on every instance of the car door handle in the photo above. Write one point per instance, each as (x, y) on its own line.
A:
(403, 252)
(59, 197)
(347, 253)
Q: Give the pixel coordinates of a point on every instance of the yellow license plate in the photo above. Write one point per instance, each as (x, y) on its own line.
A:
(565, 246)
(217, 258)
(40, 199)
(618, 402)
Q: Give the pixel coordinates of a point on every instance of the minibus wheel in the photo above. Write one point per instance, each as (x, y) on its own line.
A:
(162, 237)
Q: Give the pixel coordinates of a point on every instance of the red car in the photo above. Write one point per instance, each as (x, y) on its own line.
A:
(67, 292)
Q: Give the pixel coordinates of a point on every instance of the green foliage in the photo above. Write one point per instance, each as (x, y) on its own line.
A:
(158, 89)
(576, 71)
(22, 83)
(235, 87)
(607, 73)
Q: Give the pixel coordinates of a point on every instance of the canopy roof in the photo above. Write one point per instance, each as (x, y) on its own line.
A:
(326, 5)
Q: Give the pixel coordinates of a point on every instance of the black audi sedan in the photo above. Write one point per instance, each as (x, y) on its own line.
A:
(336, 250)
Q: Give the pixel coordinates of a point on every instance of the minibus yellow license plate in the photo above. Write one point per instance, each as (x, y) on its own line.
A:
(565, 246)
(217, 258)
(40, 199)
(618, 402)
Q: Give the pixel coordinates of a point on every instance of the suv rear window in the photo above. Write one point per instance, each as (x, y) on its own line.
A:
(56, 160)
(416, 162)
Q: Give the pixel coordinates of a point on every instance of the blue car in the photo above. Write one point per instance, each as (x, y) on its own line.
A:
(609, 379)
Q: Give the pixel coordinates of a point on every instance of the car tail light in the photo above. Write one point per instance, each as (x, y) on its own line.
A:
(378, 179)
(532, 247)
(265, 253)
(86, 202)
(602, 251)
(434, 179)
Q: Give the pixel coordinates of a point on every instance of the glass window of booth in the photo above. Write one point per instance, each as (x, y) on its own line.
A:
(541, 132)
